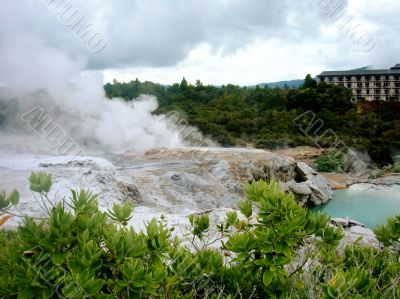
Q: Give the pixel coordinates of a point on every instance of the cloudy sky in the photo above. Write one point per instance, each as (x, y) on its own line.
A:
(216, 41)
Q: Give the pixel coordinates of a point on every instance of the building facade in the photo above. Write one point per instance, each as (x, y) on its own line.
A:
(369, 85)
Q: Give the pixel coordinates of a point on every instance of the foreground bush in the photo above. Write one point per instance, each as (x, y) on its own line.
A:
(284, 251)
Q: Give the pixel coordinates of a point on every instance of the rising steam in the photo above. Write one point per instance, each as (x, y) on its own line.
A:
(34, 76)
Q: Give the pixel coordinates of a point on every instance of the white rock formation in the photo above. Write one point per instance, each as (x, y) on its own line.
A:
(174, 183)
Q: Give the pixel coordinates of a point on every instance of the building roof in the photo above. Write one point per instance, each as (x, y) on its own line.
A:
(394, 70)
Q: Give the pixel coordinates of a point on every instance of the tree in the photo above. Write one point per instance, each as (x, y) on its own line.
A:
(199, 84)
(309, 82)
(184, 85)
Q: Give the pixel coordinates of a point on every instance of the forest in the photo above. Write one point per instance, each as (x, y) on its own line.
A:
(263, 117)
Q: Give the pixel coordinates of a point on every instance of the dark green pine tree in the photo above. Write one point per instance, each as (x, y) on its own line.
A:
(184, 85)
(309, 82)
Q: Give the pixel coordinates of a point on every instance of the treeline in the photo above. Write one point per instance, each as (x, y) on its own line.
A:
(264, 117)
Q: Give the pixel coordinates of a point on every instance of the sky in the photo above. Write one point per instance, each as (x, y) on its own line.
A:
(242, 42)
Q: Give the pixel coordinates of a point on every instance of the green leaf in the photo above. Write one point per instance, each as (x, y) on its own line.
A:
(231, 218)
(282, 260)
(262, 262)
(40, 182)
(14, 197)
(267, 277)
(246, 208)
(28, 293)
(122, 214)
(58, 258)
(4, 202)
(93, 286)
(71, 290)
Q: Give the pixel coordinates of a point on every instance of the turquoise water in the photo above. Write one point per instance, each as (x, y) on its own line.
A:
(368, 204)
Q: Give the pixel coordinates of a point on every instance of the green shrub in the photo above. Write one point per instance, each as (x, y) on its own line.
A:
(331, 161)
(86, 253)
(396, 167)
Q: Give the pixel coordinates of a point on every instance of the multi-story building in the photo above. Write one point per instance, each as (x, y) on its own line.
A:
(367, 85)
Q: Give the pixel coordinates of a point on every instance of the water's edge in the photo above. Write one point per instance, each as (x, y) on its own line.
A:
(369, 204)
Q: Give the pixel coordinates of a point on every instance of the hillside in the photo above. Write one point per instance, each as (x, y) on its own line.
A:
(272, 118)
(282, 84)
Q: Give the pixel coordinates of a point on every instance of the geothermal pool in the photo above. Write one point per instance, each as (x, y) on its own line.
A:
(366, 203)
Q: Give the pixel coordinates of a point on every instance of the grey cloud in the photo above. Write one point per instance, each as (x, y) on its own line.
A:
(157, 33)
(162, 33)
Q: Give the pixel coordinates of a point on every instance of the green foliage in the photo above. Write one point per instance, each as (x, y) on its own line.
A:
(40, 182)
(331, 161)
(7, 201)
(263, 117)
(246, 208)
(200, 225)
(282, 227)
(389, 234)
(396, 164)
(396, 167)
(122, 214)
(84, 252)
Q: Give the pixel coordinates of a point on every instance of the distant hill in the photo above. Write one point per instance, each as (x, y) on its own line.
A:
(281, 84)
(364, 68)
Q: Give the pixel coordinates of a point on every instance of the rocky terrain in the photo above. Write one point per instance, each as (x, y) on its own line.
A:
(211, 177)
(309, 155)
(355, 232)
(306, 154)
(175, 182)
(343, 181)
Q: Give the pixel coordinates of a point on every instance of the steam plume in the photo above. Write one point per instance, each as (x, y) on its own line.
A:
(34, 76)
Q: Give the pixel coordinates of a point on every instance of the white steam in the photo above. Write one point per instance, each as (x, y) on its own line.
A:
(34, 76)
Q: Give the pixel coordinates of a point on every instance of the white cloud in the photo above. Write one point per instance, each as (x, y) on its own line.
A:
(216, 41)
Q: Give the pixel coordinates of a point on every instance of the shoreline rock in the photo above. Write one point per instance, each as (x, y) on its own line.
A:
(355, 232)
(340, 181)
(214, 177)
